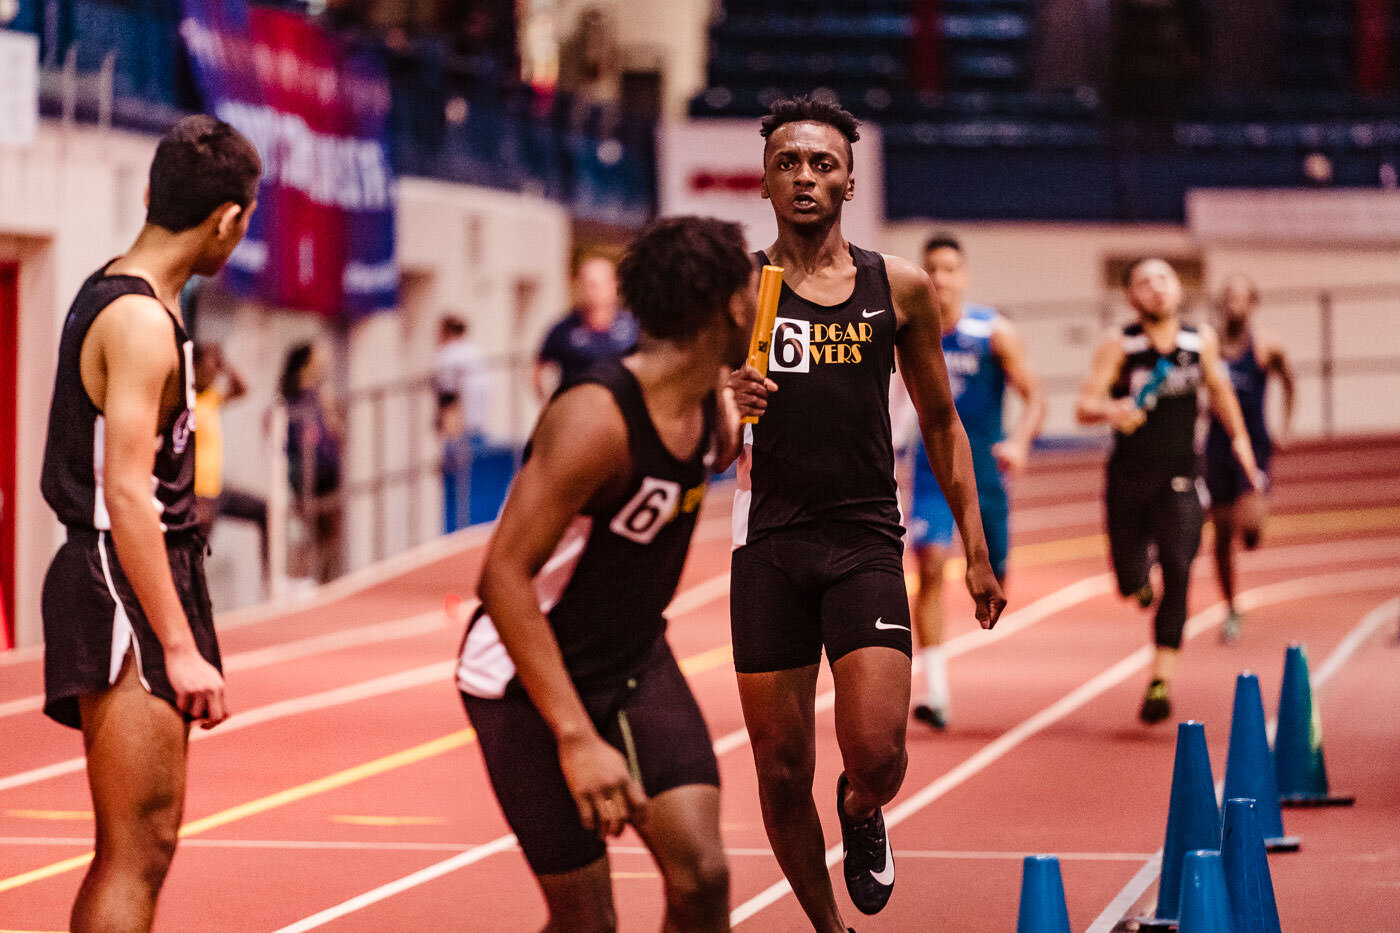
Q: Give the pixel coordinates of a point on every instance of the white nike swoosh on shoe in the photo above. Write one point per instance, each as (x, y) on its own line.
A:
(882, 624)
(873, 313)
(885, 876)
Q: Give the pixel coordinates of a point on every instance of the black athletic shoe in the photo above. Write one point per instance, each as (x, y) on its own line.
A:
(1144, 596)
(935, 717)
(868, 863)
(1157, 704)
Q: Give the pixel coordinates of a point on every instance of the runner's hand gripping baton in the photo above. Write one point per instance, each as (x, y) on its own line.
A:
(770, 286)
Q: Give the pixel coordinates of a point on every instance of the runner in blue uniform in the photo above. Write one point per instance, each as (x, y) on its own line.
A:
(818, 560)
(984, 354)
(1236, 509)
(130, 654)
(1144, 382)
(583, 718)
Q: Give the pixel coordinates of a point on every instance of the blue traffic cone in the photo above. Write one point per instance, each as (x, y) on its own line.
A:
(1205, 901)
(1298, 761)
(1042, 907)
(1246, 864)
(1249, 768)
(1193, 819)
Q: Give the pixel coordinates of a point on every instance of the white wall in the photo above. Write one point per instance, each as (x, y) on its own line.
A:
(1051, 279)
(68, 203)
(73, 200)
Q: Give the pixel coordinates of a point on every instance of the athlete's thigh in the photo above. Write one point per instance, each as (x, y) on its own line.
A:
(866, 603)
(872, 700)
(682, 830)
(996, 527)
(522, 761)
(780, 713)
(774, 619)
(1176, 522)
(136, 748)
(930, 521)
(1127, 500)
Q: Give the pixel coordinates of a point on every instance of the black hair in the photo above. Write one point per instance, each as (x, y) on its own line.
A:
(809, 110)
(812, 110)
(680, 271)
(1132, 267)
(942, 239)
(297, 358)
(200, 165)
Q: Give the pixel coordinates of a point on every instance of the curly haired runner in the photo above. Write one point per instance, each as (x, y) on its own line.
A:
(583, 717)
(818, 562)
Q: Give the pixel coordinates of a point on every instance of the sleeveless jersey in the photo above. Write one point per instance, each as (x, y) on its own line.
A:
(1164, 444)
(617, 565)
(822, 449)
(72, 474)
(1250, 380)
(979, 387)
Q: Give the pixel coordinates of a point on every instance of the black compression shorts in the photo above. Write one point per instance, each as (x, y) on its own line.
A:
(793, 592)
(92, 619)
(672, 745)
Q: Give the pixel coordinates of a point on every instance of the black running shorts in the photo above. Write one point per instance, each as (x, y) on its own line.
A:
(92, 619)
(672, 745)
(793, 592)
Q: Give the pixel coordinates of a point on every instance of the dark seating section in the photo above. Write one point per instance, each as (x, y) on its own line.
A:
(966, 136)
(454, 116)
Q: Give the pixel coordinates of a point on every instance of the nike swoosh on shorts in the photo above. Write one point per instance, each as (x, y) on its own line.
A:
(880, 623)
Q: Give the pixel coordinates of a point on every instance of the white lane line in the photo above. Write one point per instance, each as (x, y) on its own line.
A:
(1080, 696)
(1042, 608)
(440, 672)
(1058, 601)
(1138, 885)
(386, 891)
(336, 845)
(372, 634)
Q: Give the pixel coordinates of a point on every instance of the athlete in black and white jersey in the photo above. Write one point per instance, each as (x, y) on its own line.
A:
(1145, 381)
(583, 717)
(130, 652)
(818, 562)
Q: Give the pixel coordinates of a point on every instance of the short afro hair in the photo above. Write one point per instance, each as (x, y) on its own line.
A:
(942, 239)
(809, 110)
(680, 272)
(201, 164)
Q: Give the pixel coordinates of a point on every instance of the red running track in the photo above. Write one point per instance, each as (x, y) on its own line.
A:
(346, 793)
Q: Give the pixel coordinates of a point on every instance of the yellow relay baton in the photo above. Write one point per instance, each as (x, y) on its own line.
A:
(770, 286)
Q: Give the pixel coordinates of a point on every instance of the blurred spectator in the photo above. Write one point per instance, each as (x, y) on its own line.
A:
(216, 383)
(596, 329)
(313, 462)
(463, 402)
(590, 70)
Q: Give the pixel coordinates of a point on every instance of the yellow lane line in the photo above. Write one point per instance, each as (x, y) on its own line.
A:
(272, 801)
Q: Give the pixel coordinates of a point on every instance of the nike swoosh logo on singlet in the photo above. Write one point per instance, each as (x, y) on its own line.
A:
(873, 313)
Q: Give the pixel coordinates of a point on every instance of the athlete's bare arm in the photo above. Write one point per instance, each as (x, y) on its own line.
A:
(1227, 407)
(1012, 453)
(131, 372)
(579, 454)
(1096, 405)
(920, 349)
(1275, 360)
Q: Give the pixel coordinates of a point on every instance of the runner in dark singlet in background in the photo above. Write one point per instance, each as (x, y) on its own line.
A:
(1152, 489)
(1237, 510)
(130, 655)
(582, 715)
(818, 563)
